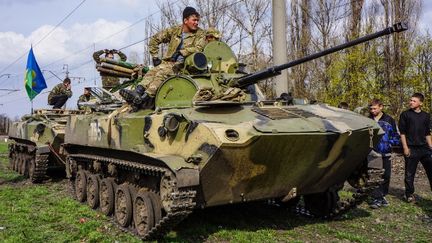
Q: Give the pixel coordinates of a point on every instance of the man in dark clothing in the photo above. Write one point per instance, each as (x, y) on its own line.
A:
(383, 150)
(60, 94)
(414, 127)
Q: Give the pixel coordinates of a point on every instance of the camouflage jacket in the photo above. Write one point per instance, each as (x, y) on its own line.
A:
(192, 42)
(97, 55)
(59, 89)
(84, 98)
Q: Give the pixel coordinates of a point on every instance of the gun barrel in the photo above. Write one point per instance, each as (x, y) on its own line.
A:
(276, 70)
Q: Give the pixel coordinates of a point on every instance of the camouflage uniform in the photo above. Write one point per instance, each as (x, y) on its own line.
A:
(108, 82)
(192, 42)
(83, 98)
(58, 90)
(213, 32)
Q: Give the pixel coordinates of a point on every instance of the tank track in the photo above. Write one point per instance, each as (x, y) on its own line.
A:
(370, 182)
(41, 161)
(182, 199)
(41, 167)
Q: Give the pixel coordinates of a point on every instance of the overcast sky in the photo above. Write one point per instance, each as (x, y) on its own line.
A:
(25, 22)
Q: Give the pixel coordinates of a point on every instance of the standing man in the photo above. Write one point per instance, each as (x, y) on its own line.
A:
(60, 94)
(383, 150)
(183, 40)
(109, 82)
(414, 127)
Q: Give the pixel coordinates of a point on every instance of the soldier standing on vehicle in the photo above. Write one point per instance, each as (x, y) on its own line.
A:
(109, 82)
(60, 94)
(383, 150)
(414, 127)
(183, 40)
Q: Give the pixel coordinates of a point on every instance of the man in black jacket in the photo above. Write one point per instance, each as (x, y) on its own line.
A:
(414, 127)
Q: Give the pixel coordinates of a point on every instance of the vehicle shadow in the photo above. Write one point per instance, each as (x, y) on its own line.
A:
(248, 217)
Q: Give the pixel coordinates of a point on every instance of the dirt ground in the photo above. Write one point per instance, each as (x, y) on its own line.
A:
(397, 178)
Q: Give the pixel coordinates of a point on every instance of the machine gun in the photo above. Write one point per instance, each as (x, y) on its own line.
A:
(276, 70)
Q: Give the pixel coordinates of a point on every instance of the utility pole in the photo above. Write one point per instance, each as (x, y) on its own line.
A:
(66, 67)
(282, 84)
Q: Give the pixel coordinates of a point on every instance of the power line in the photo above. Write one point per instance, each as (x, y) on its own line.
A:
(109, 36)
(137, 42)
(44, 37)
(61, 22)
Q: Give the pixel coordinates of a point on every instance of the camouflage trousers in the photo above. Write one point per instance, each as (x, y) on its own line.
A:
(155, 77)
(109, 82)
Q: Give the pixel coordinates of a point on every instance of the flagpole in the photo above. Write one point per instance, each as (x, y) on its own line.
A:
(31, 112)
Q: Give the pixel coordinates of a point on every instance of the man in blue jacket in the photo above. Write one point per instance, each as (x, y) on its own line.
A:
(383, 149)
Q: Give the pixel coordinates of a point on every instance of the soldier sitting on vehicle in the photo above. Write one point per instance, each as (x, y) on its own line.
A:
(86, 97)
(212, 34)
(60, 94)
(109, 82)
(183, 40)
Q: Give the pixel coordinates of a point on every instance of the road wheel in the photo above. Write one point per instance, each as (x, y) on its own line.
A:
(31, 169)
(25, 165)
(106, 196)
(322, 204)
(12, 159)
(17, 161)
(123, 205)
(157, 206)
(143, 213)
(93, 191)
(20, 163)
(81, 186)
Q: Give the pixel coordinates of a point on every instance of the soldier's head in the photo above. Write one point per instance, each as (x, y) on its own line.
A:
(375, 107)
(190, 19)
(109, 55)
(67, 81)
(212, 34)
(416, 100)
(343, 105)
(87, 92)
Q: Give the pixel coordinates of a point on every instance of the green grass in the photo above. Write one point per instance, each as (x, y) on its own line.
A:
(45, 213)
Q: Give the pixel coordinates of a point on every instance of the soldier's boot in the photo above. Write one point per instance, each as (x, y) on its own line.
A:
(140, 89)
(129, 95)
(143, 102)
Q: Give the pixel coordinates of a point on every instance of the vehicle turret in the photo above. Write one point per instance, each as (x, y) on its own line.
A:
(216, 75)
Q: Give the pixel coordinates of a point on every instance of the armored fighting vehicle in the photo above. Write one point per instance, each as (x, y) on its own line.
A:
(36, 141)
(210, 142)
(37, 138)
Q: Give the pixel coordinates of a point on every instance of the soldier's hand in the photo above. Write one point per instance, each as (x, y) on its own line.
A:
(106, 50)
(156, 61)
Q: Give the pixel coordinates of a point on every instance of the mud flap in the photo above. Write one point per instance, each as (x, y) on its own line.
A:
(187, 177)
(375, 160)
